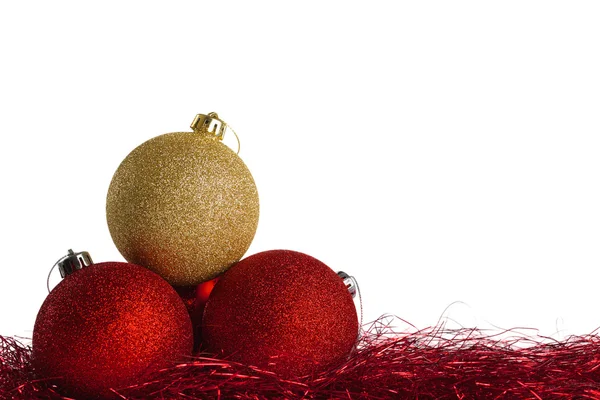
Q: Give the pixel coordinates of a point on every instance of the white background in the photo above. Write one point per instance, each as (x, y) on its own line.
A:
(439, 151)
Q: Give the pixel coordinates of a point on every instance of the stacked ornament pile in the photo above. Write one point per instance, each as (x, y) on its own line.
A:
(182, 209)
(187, 317)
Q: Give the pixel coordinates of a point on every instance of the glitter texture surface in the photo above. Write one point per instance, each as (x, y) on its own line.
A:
(283, 311)
(184, 205)
(108, 326)
(195, 298)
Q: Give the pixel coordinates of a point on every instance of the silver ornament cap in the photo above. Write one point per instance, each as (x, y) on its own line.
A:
(350, 283)
(73, 262)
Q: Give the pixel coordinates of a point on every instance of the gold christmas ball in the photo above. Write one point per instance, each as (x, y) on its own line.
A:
(183, 204)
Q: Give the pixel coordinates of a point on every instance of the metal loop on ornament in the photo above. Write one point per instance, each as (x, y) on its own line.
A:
(236, 138)
(361, 306)
(63, 258)
(354, 290)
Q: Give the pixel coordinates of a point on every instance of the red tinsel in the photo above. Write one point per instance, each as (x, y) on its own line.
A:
(435, 363)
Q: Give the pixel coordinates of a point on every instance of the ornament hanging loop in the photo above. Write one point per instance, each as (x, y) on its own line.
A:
(69, 264)
(213, 126)
(352, 286)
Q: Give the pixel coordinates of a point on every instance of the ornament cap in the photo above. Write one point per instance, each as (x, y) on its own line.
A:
(73, 262)
(209, 124)
(350, 283)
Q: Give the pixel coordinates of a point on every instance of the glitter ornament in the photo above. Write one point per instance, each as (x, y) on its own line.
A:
(107, 326)
(195, 298)
(184, 204)
(283, 311)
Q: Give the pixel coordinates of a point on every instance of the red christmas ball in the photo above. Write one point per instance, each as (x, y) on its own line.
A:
(283, 311)
(107, 326)
(195, 298)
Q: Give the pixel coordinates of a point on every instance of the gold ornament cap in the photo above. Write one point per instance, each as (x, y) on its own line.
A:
(209, 125)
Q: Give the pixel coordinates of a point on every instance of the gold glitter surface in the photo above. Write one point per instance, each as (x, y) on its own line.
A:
(184, 205)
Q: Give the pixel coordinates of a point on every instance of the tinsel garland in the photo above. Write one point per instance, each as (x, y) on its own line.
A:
(434, 363)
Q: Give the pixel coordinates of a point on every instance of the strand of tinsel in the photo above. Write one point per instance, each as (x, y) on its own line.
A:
(435, 363)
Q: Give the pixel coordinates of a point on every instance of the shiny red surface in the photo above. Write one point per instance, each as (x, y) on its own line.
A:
(108, 326)
(281, 310)
(195, 298)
